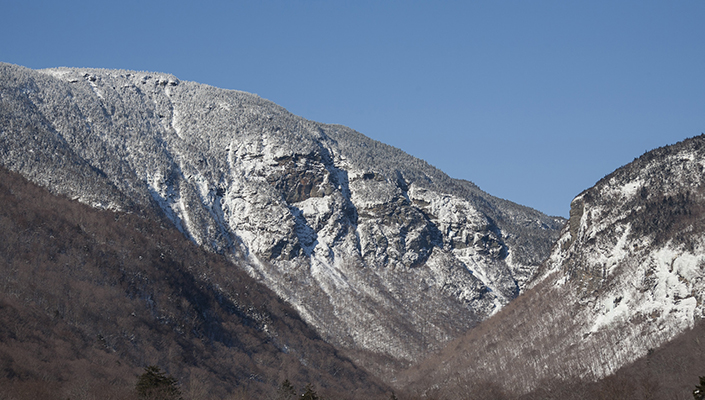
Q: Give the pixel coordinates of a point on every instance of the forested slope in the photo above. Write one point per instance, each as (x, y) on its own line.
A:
(88, 298)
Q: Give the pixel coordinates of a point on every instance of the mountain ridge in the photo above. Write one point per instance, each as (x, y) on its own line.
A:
(625, 277)
(351, 232)
(383, 255)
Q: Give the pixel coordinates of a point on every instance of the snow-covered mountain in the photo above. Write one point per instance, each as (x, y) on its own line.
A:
(626, 276)
(381, 253)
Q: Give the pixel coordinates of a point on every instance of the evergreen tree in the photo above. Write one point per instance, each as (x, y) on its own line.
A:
(154, 385)
(286, 391)
(309, 394)
(699, 392)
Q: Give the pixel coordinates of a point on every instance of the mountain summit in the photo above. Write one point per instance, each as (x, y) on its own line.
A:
(383, 254)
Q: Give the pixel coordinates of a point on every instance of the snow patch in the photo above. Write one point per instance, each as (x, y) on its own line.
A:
(619, 251)
(666, 295)
(328, 275)
(631, 188)
(614, 308)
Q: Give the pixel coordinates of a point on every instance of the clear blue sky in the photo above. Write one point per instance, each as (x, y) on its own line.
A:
(534, 101)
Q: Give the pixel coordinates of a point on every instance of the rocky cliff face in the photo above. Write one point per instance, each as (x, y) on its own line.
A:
(379, 251)
(626, 276)
(633, 251)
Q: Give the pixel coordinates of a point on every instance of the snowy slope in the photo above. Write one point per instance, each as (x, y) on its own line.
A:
(377, 250)
(627, 275)
(634, 252)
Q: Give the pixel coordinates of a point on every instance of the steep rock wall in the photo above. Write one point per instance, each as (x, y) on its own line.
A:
(379, 251)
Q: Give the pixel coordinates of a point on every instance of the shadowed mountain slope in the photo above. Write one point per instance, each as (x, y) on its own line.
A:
(88, 298)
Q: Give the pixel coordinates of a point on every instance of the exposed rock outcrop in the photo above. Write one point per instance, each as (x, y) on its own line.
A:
(379, 251)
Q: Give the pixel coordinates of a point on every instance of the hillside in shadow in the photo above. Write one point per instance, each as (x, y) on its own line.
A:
(89, 298)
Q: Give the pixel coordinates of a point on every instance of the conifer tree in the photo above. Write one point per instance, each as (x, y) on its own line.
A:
(699, 392)
(286, 391)
(309, 394)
